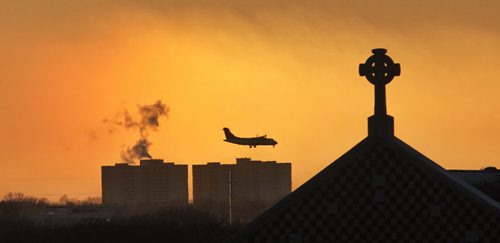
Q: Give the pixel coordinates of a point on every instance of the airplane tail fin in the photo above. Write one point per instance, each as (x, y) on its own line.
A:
(228, 133)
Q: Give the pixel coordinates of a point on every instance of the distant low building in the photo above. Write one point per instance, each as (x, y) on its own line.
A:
(151, 184)
(486, 180)
(67, 215)
(489, 175)
(239, 192)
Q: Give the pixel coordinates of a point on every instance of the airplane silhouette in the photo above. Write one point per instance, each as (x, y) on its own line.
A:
(251, 142)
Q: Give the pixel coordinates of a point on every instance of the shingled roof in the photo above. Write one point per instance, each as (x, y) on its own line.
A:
(381, 190)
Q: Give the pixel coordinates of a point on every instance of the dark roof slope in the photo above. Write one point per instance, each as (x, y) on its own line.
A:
(381, 190)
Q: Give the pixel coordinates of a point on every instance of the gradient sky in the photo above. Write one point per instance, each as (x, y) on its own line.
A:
(287, 69)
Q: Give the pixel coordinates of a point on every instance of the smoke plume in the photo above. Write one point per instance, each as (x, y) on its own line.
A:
(147, 120)
(139, 151)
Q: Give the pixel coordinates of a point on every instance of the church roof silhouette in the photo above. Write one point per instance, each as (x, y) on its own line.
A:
(381, 190)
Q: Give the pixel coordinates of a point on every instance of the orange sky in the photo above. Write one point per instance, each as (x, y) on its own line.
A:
(287, 69)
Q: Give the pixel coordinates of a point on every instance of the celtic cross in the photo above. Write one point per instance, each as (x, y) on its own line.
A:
(379, 69)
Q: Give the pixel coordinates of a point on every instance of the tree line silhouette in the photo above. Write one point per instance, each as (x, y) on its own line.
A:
(18, 223)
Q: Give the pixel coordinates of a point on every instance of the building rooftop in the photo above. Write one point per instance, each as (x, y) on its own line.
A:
(147, 162)
(381, 190)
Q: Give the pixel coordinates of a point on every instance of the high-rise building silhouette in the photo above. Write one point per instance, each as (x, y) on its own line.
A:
(151, 184)
(239, 192)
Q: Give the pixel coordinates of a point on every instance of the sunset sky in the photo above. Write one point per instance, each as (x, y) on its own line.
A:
(287, 69)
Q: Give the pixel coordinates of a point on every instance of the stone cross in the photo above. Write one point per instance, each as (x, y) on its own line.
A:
(379, 69)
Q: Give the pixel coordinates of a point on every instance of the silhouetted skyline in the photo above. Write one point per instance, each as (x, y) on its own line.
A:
(285, 69)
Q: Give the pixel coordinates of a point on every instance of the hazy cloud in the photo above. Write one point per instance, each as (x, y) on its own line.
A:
(73, 17)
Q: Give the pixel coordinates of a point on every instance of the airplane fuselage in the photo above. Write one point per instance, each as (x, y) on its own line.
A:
(251, 142)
